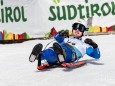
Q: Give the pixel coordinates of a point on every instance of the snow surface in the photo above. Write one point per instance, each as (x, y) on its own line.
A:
(16, 70)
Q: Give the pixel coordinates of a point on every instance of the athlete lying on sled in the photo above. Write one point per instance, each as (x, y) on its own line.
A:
(67, 49)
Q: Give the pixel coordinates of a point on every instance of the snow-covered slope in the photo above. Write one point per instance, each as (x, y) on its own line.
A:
(16, 70)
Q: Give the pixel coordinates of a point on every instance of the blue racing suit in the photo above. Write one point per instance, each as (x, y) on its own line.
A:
(74, 48)
(77, 47)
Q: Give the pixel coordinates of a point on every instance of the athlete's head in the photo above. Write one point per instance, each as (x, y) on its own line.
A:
(78, 30)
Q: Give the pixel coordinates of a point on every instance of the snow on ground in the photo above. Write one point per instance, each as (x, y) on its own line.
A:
(16, 70)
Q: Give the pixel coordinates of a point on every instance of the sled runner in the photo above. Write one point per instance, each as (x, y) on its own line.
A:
(64, 65)
(35, 52)
(74, 64)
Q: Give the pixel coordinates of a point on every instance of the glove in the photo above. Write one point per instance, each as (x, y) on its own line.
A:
(90, 42)
(64, 33)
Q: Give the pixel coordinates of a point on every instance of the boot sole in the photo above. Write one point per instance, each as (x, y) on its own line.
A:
(59, 50)
(35, 52)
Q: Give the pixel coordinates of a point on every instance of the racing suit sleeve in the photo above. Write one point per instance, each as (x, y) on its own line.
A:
(59, 38)
(93, 52)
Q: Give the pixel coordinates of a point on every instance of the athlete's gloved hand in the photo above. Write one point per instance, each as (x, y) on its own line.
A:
(91, 42)
(64, 33)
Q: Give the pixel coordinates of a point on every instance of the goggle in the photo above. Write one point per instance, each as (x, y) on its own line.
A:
(80, 27)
